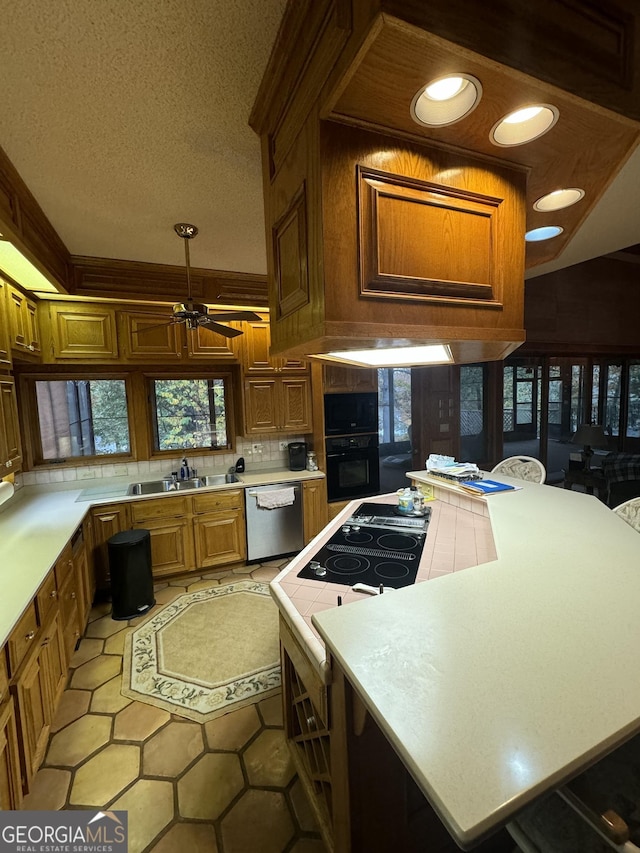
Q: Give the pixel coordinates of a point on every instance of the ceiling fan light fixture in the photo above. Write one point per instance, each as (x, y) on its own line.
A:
(195, 315)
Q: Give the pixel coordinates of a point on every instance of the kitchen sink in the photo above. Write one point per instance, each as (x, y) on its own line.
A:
(219, 479)
(156, 487)
(151, 488)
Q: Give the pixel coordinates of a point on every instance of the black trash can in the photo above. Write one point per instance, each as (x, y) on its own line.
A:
(130, 569)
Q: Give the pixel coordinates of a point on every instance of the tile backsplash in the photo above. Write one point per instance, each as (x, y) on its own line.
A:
(258, 451)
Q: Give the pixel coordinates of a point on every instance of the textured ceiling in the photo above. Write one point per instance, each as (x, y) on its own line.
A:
(126, 117)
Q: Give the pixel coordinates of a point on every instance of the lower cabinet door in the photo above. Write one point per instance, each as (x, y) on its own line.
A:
(36, 690)
(220, 538)
(30, 691)
(10, 782)
(171, 545)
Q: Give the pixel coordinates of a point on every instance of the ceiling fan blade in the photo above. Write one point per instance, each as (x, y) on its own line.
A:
(228, 332)
(171, 322)
(236, 315)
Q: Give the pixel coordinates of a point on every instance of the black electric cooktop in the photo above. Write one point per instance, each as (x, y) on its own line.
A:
(377, 545)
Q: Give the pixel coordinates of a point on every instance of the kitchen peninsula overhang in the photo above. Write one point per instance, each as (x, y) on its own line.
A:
(382, 232)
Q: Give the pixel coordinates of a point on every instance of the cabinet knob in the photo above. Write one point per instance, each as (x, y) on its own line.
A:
(73, 595)
(30, 635)
(53, 593)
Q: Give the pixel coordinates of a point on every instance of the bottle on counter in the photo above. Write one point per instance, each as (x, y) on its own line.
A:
(312, 461)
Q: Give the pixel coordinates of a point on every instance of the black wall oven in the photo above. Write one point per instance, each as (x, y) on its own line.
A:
(352, 467)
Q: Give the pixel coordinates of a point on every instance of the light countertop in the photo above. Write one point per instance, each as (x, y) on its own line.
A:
(497, 683)
(38, 521)
(459, 536)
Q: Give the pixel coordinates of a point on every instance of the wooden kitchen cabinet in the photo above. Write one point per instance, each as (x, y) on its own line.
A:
(219, 528)
(10, 779)
(147, 338)
(105, 521)
(23, 324)
(10, 447)
(36, 689)
(344, 380)
(68, 598)
(314, 507)
(169, 523)
(257, 360)
(85, 578)
(5, 340)
(81, 332)
(278, 404)
(207, 344)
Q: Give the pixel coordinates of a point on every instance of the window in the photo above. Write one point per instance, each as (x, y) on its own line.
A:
(394, 404)
(472, 429)
(191, 413)
(82, 417)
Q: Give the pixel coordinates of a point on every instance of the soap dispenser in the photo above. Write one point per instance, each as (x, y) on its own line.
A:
(240, 465)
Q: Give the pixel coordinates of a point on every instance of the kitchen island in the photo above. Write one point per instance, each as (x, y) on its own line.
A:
(493, 684)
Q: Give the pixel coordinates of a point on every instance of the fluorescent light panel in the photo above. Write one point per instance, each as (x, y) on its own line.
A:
(21, 270)
(396, 356)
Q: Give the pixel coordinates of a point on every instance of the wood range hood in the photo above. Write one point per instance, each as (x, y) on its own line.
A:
(383, 233)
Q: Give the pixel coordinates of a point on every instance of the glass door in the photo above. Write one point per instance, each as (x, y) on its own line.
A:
(394, 427)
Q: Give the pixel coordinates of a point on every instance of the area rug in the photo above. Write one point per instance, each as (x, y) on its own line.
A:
(206, 653)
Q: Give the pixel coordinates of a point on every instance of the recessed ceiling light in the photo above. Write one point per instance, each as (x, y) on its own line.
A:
(524, 125)
(558, 199)
(544, 233)
(395, 356)
(446, 100)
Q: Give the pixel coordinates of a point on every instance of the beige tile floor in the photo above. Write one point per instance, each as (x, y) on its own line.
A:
(227, 786)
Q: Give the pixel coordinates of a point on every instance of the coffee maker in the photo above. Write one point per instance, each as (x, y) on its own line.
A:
(297, 455)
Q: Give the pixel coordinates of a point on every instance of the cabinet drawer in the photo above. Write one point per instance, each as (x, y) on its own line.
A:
(214, 501)
(46, 596)
(159, 508)
(21, 638)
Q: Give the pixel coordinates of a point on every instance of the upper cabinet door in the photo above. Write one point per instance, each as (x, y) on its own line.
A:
(147, 338)
(10, 449)
(339, 379)
(23, 323)
(5, 340)
(256, 348)
(256, 352)
(83, 332)
(205, 343)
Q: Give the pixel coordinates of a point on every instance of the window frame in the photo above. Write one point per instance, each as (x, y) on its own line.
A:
(33, 456)
(231, 414)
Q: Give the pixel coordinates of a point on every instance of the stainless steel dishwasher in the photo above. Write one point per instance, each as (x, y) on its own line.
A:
(276, 530)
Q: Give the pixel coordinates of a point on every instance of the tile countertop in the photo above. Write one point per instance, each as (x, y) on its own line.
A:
(459, 536)
(38, 521)
(496, 684)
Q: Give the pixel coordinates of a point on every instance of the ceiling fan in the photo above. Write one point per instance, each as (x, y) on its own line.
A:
(195, 314)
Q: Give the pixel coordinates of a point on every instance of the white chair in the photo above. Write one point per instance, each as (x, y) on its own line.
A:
(522, 468)
(629, 511)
